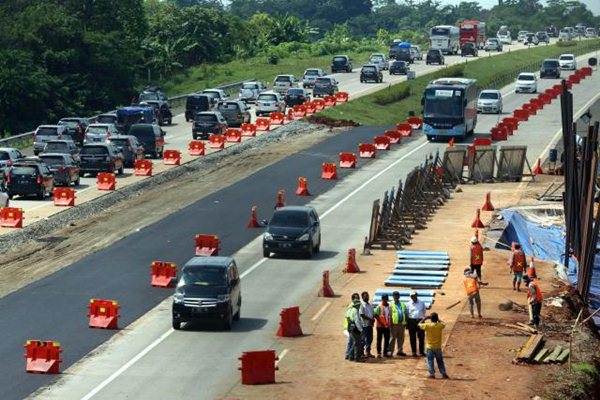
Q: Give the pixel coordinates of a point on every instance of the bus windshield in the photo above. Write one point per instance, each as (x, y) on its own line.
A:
(440, 31)
(443, 103)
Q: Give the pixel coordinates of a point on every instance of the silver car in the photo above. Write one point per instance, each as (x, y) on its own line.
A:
(489, 101)
(380, 60)
(100, 132)
(310, 76)
(45, 133)
(282, 83)
(493, 44)
(250, 90)
(269, 102)
(526, 83)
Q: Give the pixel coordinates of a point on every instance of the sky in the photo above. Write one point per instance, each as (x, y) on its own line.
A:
(593, 5)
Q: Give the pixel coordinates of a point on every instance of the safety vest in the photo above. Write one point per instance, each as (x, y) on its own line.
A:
(519, 262)
(538, 292)
(348, 314)
(382, 321)
(471, 286)
(476, 254)
(396, 313)
(531, 272)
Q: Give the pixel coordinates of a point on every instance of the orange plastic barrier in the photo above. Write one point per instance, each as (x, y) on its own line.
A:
(482, 142)
(106, 181)
(233, 135)
(512, 123)
(326, 290)
(394, 136)
(537, 103)
(415, 122)
(545, 98)
(382, 142)
(574, 78)
(280, 199)
(310, 108)
(196, 148)
(319, 104)
(11, 217)
(587, 71)
(216, 141)
(207, 245)
(258, 367)
(42, 357)
(277, 118)
(529, 108)
(341, 97)
(521, 114)
(162, 273)
(569, 84)
(329, 101)
(289, 325)
(290, 115)
(248, 130)
(347, 160)
(487, 205)
(404, 128)
(263, 124)
(302, 189)
(351, 265)
(63, 196)
(103, 314)
(329, 171)
(299, 111)
(172, 157)
(142, 168)
(499, 132)
(367, 150)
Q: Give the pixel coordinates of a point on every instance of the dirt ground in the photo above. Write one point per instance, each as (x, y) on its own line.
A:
(35, 260)
(478, 353)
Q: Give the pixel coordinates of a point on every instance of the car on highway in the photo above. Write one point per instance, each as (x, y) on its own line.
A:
(310, 76)
(504, 38)
(398, 67)
(531, 39)
(162, 110)
(196, 103)
(29, 178)
(380, 60)
(567, 61)
(207, 123)
(100, 132)
(325, 86)
(8, 156)
(341, 63)
(152, 93)
(100, 157)
(128, 116)
(493, 44)
(130, 147)
(76, 127)
(416, 52)
(235, 112)
(151, 137)
(434, 56)
(44, 133)
(64, 168)
(250, 90)
(64, 146)
(293, 230)
(521, 36)
(526, 83)
(550, 68)
(469, 49)
(591, 33)
(108, 118)
(208, 289)
(269, 102)
(4, 200)
(370, 73)
(543, 37)
(490, 101)
(296, 96)
(282, 83)
(565, 34)
(216, 96)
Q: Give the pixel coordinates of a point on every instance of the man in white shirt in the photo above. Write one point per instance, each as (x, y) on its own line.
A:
(366, 313)
(416, 312)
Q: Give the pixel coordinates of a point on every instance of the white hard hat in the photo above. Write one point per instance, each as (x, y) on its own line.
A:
(474, 239)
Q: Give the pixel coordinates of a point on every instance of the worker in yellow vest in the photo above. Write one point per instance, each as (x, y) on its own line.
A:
(472, 289)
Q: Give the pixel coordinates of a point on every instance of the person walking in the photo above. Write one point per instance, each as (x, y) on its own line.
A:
(416, 312)
(535, 298)
(472, 288)
(531, 272)
(476, 257)
(398, 324)
(354, 324)
(350, 343)
(518, 263)
(382, 315)
(433, 334)
(366, 314)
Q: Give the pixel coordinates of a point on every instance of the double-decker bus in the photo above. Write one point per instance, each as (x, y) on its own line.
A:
(450, 108)
(445, 38)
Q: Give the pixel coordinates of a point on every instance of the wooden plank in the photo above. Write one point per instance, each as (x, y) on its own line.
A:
(563, 356)
(513, 326)
(531, 347)
(541, 354)
(527, 327)
(552, 356)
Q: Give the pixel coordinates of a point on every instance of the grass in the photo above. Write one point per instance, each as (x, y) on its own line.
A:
(391, 105)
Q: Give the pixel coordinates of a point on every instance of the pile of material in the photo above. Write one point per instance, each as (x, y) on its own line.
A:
(419, 269)
(426, 296)
(534, 352)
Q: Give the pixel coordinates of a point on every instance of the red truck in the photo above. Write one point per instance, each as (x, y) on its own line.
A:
(472, 31)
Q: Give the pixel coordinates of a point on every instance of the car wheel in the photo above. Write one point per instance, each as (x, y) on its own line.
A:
(238, 314)
(266, 253)
(171, 121)
(176, 324)
(318, 247)
(429, 137)
(228, 322)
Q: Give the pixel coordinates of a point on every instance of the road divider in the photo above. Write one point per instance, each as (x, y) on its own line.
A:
(216, 141)
(263, 124)
(162, 274)
(207, 245)
(196, 148)
(393, 135)
(233, 135)
(280, 199)
(329, 171)
(11, 217)
(277, 118)
(253, 222)
(351, 265)
(347, 160)
(382, 142)
(106, 181)
(477, 223)
(63, 196)
(289, 325)
(487, 205)
(258, 367)
(42, 356)
(367, 150)
(103, 314)
(302, 189)
(172, 157)
(326, 290)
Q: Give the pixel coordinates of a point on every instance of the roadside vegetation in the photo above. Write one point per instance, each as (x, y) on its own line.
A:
(391, 105)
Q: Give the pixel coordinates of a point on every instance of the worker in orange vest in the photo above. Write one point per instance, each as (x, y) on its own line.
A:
(531, 272)
(534, 300)
(476, 257)
(382, 314)
(472, 288)
(518, 263)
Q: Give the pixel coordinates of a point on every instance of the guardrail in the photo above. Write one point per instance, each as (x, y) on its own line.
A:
(24, 139)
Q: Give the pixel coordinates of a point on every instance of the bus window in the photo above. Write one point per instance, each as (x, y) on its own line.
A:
(443, 103)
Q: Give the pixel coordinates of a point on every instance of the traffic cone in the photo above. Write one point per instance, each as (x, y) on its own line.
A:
(280, 202)
(487, 206)
(477, 221)
(253, 223)
(302, 189)
(351, 266)
(451, 142)
(537, 169)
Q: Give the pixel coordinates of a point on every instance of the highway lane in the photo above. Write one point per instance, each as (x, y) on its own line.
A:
(179, 134)
(204, 361)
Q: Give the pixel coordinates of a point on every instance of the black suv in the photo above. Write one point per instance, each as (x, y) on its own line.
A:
(29, 178)
(293, 229)
(64, 168)
(370, 73)
(162, 110)
(550, 69)
(434, 57)
(235, 112)
(151, 137)
(208, 288)
(469, 49)
(207, 123)
(341, 63)
(62, 147)
(100, 157)
(196, 103)
(296, 96)
(398, 67)
(76, 127)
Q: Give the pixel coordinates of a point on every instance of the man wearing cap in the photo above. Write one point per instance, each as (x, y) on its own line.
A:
(472, 289)
(517, 263)
(433, 331)
(476, 257)
(382, 315)
(354, 326)
(366, 313)
(416, 312)
(399, 318)
(350, 344)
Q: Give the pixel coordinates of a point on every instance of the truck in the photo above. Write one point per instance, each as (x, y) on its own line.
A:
(444, 38)
(472, 31)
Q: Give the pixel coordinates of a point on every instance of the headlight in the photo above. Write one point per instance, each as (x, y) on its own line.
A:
(267, 236)
(223, 297)
(178, 298)
(304, 237)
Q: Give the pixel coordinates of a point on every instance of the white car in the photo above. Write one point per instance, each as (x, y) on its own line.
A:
(565, 34)
(99, 133)
(521, 36)
(282, 83)
(416, 51)
(591, 33)
(526, 83)
(505, 39)
(380, 60)
(490, 101)
(269, 102)
(567, 61)
(250, 90)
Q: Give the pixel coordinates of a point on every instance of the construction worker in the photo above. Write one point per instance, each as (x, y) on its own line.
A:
(368, 319)
(472, 288)
(531, 272)
(433, 334)
(399, 318)
(476, 257)
(534, 300)
(350, 344)
(382, 315)
(354, 327)
(416, 312)
(518, 263)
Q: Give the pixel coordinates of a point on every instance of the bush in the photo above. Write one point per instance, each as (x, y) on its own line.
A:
(566, 43)
(392, 94)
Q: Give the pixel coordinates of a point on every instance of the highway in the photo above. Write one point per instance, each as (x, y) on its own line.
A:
(148, 359)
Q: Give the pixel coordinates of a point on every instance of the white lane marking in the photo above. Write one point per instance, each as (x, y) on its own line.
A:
(51, 203)
(152, 345)
(321, 311)
(280, 356)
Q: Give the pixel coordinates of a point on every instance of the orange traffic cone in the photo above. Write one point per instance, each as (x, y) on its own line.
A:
(302, 189)
(351, 266)
(477, 221)
(487, 206)
(280, 202)
(537, 169)
(253, 223)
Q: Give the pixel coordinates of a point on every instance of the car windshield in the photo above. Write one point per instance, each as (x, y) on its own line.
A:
(204, 276)
(432, 53)
(295, 219)
(107, 119)
(339, 59)
(53, 160)
(69, 124)
(57, 147)
(549, 63)
(492, 41)
(141, 131)
(443, 103)
(24, 170)
(323, 81)
(206, 118)
(229, 107)
(213, 95)
(376, 58)
(97, 130)
(284, 79)
(295, 92)
(94, 150)
(489, 96)
(4, 156)
(566, 58)
(267, 97)
(369, 69)
(149, 96)
(249, 86)
(311, 72)
(526, 78)
(46, 132)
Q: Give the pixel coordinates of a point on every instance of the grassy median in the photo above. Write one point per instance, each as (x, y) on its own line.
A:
(393, 104)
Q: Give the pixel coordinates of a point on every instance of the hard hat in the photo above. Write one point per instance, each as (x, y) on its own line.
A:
(474, 239)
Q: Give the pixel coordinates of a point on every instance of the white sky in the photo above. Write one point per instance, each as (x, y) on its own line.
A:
(593, 5)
